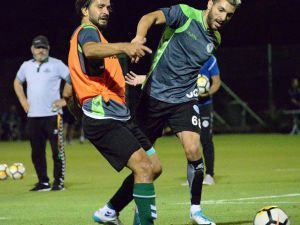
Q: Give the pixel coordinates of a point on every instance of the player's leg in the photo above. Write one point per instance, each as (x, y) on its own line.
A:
(151, 116)
(206, 118)
(184, 121)
(151, 120)
(143, 190)
(38, 140)
(110, 137)
(124, 195)
(55, 133)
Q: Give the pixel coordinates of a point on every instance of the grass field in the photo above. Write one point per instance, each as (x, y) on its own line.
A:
(252, 171)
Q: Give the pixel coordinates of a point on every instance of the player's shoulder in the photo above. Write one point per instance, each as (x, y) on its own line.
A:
(191, 12)
(85, 26)
(88, 29)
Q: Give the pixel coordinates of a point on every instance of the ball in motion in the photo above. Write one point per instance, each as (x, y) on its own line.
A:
(203, 84)
(271, 215)
(16, 171)
(3, 171)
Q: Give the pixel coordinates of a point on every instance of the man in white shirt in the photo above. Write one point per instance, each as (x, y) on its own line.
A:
(43, 103)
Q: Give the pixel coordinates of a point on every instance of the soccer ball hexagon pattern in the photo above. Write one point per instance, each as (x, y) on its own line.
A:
(203, 84)
(16, 171)
(271, 215)
(3, 172)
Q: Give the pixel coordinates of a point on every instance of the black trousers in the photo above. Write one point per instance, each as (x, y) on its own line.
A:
(41, 129)
(206, 118)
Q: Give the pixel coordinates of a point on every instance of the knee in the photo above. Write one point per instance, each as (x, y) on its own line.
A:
(156, 170)
(192, 151)
(144, 170)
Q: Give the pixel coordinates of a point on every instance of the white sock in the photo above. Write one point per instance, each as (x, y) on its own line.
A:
(195, 208)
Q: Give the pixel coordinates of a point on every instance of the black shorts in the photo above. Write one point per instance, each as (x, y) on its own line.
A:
(152, 115)
(115, 140)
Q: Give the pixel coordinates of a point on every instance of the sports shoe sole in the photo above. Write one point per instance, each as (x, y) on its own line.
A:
(98, 220)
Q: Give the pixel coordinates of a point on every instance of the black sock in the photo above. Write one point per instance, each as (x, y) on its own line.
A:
(124, 195)
(195, 177)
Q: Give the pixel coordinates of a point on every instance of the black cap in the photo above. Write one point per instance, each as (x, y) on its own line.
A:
(40, 41)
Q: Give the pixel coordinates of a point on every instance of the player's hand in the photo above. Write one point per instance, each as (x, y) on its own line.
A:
(135, 51)
(203, 95)
(141, 41)
(134, 79)
(138, 39)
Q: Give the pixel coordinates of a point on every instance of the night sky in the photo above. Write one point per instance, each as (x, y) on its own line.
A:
(257, 22)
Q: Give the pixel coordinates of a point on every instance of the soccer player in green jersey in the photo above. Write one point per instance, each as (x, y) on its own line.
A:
(169, 92)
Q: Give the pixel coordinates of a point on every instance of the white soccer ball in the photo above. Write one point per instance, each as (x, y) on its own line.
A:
(203, 84)
(16, 171)
(3, 172)
(271, 215)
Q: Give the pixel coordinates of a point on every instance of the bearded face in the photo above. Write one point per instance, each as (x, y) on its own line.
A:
(98, 13)
(219, 13)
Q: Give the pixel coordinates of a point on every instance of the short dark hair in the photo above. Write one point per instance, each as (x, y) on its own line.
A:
(79, 4)
(235, 3)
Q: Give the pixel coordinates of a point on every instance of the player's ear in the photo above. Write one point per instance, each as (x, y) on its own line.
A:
(84, 11)
(209, 4)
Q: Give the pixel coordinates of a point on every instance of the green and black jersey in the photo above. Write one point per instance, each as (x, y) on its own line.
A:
(185, 46)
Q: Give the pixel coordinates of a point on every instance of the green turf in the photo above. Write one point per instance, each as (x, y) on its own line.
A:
(252, 171)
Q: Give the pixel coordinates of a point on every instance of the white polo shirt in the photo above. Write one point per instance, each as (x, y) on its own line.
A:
(43, 84)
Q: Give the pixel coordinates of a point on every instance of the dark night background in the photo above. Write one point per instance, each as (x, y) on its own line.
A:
(242, 55)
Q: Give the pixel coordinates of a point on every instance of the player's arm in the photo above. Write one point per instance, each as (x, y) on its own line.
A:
(214, 73)
(18, 87)
(94, 50)
(146, 22)
(216, 84)
(134, 79)
(67, 93)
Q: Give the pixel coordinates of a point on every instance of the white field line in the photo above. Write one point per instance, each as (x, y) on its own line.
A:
(287, 170)
(3, 218)
(246, 203)
(244, 200)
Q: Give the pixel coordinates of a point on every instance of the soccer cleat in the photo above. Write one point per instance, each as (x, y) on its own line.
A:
(208, 180)
(41, 187)
(106, 218)
(81, 139)
(199, 219)
(57, 187)
(136, 219)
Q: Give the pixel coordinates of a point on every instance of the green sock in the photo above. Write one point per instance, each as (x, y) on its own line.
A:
(144, 197)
